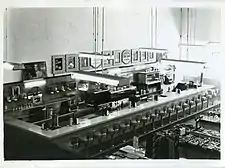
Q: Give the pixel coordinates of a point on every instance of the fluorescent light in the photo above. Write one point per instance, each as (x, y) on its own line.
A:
(200, 44)
(153, 50)
(13, 66)
(91, 78)
(95, 56)
(191, 45)
(36, 83)
(8, 66)
(213, 42)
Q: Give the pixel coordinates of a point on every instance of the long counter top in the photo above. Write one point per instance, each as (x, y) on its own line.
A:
(51, 134)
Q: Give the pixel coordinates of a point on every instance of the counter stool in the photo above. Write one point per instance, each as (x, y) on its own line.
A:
(153, 120)
(191, 103)
(87, 140)
(184, 106)
(178, 108)
(161, 113)
(101, 135)
(198, 106)
(169, 111)
(112, 131)
(75, 142)
(210, 100)
(203, 102)
(144, 119)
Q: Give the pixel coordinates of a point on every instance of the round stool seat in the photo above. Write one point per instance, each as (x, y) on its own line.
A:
(169, 110)
(178, 107)
(204, 98)
(191, 102)
(144, 118)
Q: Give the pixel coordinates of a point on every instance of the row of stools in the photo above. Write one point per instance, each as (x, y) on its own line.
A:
(140, 123)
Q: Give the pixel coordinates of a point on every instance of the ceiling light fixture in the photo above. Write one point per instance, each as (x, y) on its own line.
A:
(95, 56)
(35, 83)
(153, 50)
(191, 45)
(100, 78)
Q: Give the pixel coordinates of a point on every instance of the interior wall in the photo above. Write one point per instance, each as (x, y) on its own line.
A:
(126, 28)
(168, 34)
(202, 26)
(36, 34)
(185, 69)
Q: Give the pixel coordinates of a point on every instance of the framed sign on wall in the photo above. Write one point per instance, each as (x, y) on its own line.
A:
(151, 57)
(159, 56)
(143, 56)
(135, 56)
(108, 62)
(34, 70)
(95, 63)
(71, 62)
(84, 63)
(58, 64)
(126, 57)
(117, 57)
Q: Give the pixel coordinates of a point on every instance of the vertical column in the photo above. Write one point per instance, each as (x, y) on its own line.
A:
(150, 27)
(181, 31)
(188, 33)
(98, 33)
(98, 28)
(5, 42)
(94, 29)
(101, 29)
(153, 27)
